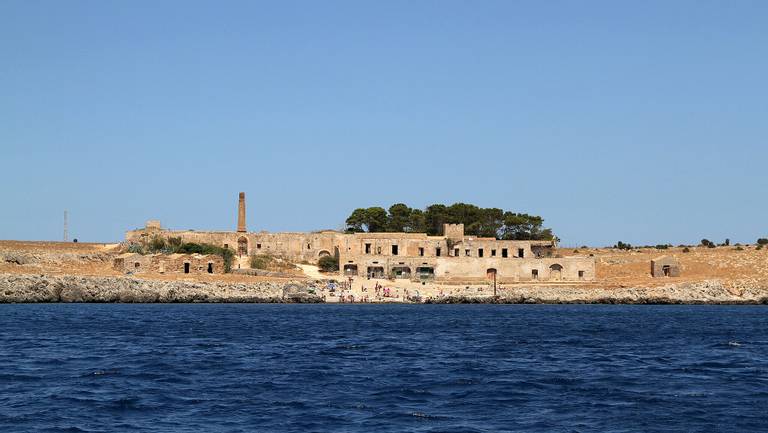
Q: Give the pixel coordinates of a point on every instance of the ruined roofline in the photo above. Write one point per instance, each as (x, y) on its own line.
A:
(364, 235)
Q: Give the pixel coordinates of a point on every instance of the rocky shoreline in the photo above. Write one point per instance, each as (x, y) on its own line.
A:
(31, 288)
(28, 288)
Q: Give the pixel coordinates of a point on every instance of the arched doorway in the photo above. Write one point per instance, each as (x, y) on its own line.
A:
(490, 274)
(425, 272)
(323, 253)
(242, 246)
(375, 272)
(401, 272)
(555, 272)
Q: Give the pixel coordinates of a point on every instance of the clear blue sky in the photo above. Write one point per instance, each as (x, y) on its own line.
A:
(645, 122)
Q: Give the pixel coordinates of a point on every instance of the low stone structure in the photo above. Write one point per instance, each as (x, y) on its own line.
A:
(169, 263)
(665, 266)
(452, 257)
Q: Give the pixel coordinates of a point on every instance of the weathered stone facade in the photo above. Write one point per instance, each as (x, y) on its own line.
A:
(452, 257)
(169, 263)
(665, 266)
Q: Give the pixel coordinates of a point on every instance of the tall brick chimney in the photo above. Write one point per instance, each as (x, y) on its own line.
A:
(241, 214)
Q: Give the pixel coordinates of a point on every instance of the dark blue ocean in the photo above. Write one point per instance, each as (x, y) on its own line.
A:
(382, 368)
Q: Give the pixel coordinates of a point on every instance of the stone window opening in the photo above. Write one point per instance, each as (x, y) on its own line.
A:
(367, 248)
(581, 275)
(136, 265)
(493, 253)
(479, 252)
(421, 251)
(394, 250)
(186, 267)
(467, 253)
(258, 246)
(210, 268)
(504, 253)
(350, 270)
(378, 250)
(666, 270)
(535, 274)
(309, 246)
(521, 252)
(437, 252)
(456, 252)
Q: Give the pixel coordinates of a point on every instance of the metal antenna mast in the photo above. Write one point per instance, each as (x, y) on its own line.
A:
(66, 229)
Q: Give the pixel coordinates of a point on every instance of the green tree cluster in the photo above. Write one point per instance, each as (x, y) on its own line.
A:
(485, 222)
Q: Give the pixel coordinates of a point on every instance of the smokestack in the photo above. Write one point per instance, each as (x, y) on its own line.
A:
(241, 214)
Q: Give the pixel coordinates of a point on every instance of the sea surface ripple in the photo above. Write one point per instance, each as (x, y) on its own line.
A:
(382, 368)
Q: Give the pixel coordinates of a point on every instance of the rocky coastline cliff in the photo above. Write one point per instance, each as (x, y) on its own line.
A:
(30, 288)
(22, 288)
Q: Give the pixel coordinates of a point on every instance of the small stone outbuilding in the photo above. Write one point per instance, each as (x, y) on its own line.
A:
(169, 263)
(665, 266)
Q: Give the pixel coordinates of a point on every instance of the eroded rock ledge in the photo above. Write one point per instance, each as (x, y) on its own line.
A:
(704, 292)
(17, 288)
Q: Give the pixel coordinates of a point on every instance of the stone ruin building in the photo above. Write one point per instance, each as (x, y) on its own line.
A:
(169, 263)
(450, 258)
(665, 266)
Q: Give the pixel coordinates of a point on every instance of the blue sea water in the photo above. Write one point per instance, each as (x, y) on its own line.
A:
(382, 368)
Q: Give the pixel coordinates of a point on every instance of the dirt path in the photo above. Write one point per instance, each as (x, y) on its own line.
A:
(313, 271)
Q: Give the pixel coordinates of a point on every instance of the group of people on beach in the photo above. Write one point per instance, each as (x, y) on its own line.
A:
(343, 293)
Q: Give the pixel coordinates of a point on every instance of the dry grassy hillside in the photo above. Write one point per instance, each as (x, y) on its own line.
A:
(619, 268)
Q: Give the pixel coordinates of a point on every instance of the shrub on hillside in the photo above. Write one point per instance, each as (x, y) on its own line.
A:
(686, 250)
(762, 241)
(328, 263)
(157, 244)
(261, 261)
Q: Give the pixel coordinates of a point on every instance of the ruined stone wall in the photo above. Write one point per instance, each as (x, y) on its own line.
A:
(453, 231)
(198, 264)
(515, 270)
(658, 264)
(474, 269)
(408, 244)
(295, 246)
(168, 263)
(512, 260)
